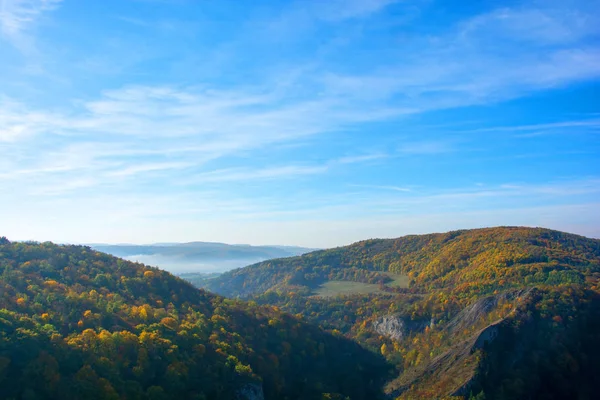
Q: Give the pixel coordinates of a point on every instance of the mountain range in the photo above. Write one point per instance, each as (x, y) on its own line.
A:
(496, 313)
(204, 257)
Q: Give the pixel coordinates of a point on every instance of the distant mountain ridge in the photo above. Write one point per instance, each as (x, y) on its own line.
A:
(199, 256)
(207, 249)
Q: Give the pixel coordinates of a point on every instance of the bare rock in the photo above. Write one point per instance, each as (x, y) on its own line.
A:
(396, 327)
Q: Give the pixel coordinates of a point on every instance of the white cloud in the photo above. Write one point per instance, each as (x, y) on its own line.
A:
(535, 129)
(19, 16)
(18, 122)
(141, 129)
(302, 14)
(244, 174)
(94, 155)
(454, 70)
(150, 167)
(426, 147)
(361, 158)
(546, 26)
(492, 57)
(458, 76)
(384, 187)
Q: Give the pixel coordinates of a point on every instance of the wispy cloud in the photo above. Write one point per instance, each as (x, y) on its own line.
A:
(361, 158)
(396, 201)
(454, 69)
(18, 16)
(384, 187)
(108, 136)
(167, 144)
(282, 172)
(306, 14)
(141, 130)
(149, 167)
(242, 174)
(540, 25)
(18, 122)
(336, 10)
(426, 147)
(511, 190)
(499, 55)
(574, 126)
(460, 75)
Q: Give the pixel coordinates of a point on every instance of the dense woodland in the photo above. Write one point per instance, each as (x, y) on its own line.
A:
(538, 288)
(470, 262)
(76, 323)
(499, 313)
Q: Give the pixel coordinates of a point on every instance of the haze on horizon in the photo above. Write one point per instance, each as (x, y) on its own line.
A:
(303, 123)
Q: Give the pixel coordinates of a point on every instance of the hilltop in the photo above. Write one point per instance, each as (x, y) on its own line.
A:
(76, 323)
(495, 313)
(480, 259)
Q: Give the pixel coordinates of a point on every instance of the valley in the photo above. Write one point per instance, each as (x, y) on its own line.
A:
(198, 257)
(497, 313)
(299, 200)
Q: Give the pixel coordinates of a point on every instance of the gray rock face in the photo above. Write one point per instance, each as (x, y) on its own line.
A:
(391, 326)
(396, 327)
(480, 308)
(250, 391)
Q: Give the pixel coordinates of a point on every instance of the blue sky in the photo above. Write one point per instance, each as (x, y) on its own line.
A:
(313, 123)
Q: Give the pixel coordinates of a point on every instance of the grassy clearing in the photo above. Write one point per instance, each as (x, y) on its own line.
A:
(398, 280)
(337, 288)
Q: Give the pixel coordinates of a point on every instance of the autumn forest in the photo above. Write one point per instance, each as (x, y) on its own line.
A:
(498, 313)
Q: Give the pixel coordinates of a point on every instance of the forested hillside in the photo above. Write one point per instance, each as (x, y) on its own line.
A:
(497, 313)
(479, 260)
(79, 324)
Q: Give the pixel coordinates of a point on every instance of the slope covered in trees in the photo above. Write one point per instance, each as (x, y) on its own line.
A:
(480, 260)
(500, 313)
(76, 323)
(497, 313)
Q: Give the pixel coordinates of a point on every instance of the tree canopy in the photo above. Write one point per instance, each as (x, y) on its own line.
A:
(76, 323)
